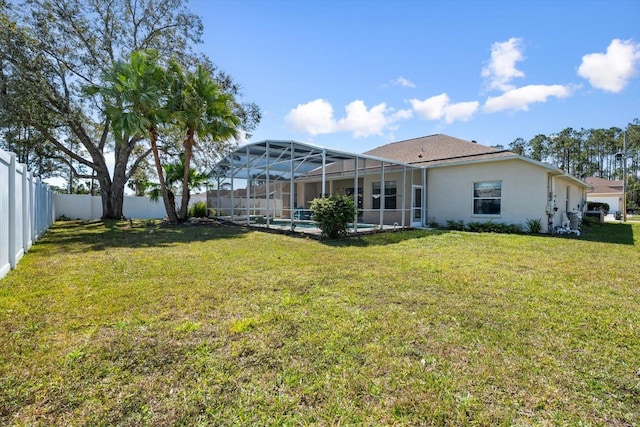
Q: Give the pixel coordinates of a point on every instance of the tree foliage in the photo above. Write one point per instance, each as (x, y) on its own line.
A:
(50, 49)
(204, 113)
(142, 97)
(594, 152)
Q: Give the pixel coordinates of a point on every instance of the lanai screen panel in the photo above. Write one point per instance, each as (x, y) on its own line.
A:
(263, 164)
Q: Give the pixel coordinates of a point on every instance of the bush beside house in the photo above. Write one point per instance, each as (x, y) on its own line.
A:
(333, 214)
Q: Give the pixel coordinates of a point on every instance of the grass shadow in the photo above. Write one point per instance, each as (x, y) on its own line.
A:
(381, 238)
(99, 235)
(618, 233)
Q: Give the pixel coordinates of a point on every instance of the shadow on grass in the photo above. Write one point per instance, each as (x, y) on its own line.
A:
(98, 235)
(381, 238)
(363, 239)
(608, 232)
(622, 234)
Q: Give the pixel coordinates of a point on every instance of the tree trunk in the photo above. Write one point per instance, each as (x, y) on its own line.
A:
(188, 148)
(169, 204)
(112, 190)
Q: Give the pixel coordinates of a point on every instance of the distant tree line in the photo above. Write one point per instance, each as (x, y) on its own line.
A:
(584, 153)
(590, 152)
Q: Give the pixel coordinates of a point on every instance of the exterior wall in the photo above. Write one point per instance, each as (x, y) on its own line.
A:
(307, 192)
(528, 191)
(568, 197)
(524, 192)
(574, 200)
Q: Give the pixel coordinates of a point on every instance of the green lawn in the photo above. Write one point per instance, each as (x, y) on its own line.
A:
(111, 324)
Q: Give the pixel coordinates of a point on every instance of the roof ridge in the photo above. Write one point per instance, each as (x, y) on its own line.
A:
(426, 137)
(464, 156)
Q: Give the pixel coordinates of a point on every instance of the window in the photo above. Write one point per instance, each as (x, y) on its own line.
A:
(390, 191)
(487, 198)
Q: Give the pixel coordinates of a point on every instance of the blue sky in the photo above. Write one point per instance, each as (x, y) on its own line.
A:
(354, 75)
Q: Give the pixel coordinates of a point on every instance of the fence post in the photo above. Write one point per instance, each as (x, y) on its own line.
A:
(12, 211)
(26, 209)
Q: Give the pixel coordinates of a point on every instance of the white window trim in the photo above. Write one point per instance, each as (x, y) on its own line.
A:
(473, 199)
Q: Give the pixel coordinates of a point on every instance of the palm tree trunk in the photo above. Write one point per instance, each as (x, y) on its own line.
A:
(188, 149)
(168, 205)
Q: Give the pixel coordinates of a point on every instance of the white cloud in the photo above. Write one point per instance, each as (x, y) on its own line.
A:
(502, 65)
(363, 122)
(440, 106)
(400, 115)
(611, 71)
(461, 111)
(316, 117)
(520, 98)
(431, 108)
(401, 81)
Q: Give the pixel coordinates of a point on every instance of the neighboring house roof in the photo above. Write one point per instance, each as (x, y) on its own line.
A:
(604, 186)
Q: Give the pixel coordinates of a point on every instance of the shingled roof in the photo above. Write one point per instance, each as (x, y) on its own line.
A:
(603, 186)
(436, 149)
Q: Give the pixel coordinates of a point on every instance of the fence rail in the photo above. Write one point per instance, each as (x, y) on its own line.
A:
(26, 210)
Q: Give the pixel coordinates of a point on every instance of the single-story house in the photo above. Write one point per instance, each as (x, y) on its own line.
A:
(412, 183)
(606, 191)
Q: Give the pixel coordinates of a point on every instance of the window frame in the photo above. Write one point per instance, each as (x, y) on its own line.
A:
(475, 209)
(390, 195)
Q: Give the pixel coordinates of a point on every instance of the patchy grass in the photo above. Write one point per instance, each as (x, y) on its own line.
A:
(109, 324)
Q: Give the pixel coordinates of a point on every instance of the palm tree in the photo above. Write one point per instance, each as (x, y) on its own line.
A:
(205, 114)
(174, 173)
(136, 96)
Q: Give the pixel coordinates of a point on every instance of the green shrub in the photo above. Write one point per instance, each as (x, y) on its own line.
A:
(598, 206)
(198, 210)
(534, 226)
(513, 228)
(455, 225)
(494, 227)
(332, 214)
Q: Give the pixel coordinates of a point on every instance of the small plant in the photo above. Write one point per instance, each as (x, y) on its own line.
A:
(198, 210)
(433, 223)
(455, 225)
(534, 226)
(333, 214)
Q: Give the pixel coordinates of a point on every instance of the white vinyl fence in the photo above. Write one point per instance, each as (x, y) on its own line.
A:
(26, 210)
(85, 206)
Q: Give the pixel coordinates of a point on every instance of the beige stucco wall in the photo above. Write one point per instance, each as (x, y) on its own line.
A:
(449, 194)
(576, 197)
(524, 192)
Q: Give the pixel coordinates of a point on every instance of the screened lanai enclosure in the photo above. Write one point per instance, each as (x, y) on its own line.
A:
(273, 183)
